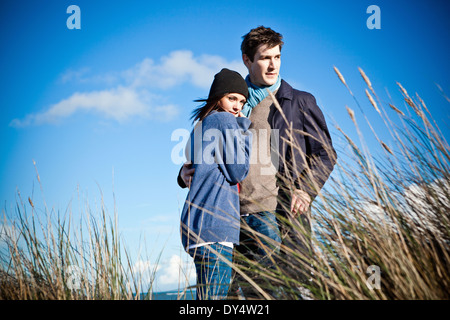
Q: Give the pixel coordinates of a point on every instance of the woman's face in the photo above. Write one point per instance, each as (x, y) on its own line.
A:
(232, 103)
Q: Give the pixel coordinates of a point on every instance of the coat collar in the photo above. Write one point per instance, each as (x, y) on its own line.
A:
(285, 91)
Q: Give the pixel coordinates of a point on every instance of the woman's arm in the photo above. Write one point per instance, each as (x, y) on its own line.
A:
(235, 148)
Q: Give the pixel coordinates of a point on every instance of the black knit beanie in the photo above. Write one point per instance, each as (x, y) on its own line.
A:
(228, 81)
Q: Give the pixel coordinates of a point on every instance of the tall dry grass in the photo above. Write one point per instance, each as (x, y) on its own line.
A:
(380, 229)
(47, 255)
(381, 224)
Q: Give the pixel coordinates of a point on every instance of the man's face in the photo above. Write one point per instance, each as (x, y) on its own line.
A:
(265, 67)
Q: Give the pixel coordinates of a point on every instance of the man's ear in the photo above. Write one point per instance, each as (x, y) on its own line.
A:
(246, 60)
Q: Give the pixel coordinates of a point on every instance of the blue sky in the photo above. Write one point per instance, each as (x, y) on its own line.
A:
(95, 108)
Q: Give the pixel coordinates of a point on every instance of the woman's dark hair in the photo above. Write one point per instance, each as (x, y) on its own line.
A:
(258, 36)
(203, 110)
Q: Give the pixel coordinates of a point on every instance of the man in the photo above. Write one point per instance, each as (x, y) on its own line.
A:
(295, 135)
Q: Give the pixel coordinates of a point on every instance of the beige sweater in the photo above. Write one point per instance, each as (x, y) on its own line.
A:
(259, 190)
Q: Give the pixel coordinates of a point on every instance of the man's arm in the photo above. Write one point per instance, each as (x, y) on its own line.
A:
(320, 154)
(320, 157)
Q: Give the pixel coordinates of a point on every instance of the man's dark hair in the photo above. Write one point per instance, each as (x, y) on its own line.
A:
(258, 36)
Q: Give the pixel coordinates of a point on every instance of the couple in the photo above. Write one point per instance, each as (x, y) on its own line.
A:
(227, 190)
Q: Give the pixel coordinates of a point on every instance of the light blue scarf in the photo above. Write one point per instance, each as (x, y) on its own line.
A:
(257, 94)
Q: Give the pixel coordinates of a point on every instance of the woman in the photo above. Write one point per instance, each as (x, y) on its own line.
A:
(219, 149)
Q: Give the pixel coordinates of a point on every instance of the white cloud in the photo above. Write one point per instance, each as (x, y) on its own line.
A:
(179, 67)
(120, 103)
(142, 267)
(176, 272)
(133, 92)
(164, 275)
(84, 76)
(423, 203)
(71, 75)
(143, 275)
(417, 204)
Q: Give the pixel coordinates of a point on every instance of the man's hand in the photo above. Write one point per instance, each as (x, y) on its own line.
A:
(187, 172)
(300, 202)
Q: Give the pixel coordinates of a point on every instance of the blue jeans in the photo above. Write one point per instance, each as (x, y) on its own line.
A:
(213, 274)
(256, 224)
(259, 240)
